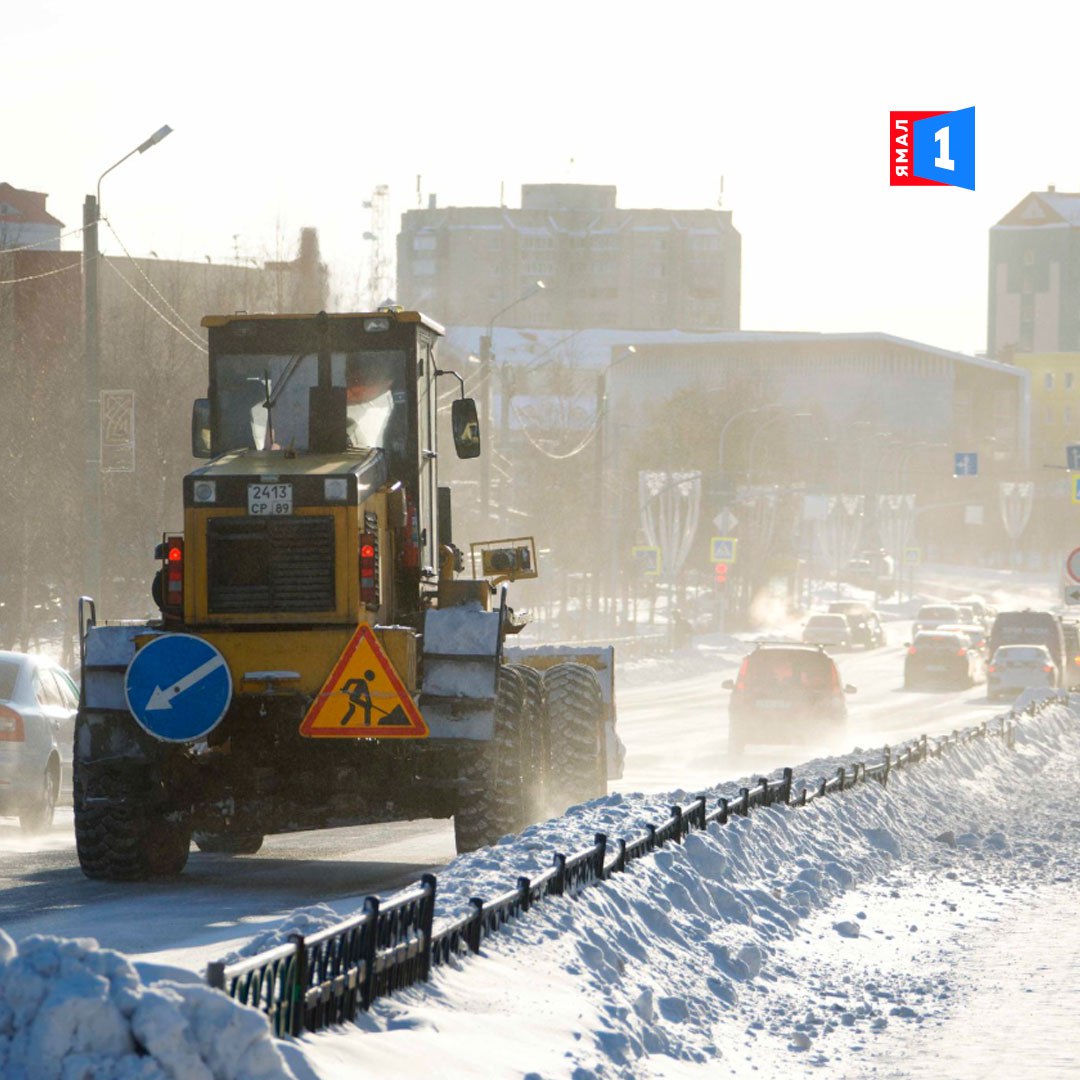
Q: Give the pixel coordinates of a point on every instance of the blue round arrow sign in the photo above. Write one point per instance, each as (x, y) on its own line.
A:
(178, 687)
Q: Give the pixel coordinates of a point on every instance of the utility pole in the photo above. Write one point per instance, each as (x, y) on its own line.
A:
(486, 376)
(92, 475)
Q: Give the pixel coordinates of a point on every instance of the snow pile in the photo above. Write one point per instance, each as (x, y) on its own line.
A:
(806, 932)
(72, 1011)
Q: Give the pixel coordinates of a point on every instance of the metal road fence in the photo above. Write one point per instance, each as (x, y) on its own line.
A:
(326, 978)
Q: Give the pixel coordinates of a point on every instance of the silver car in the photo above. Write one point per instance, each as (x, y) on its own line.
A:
(1016, 667)
(38, 703)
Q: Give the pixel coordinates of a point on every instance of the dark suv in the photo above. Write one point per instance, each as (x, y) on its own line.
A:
(785, 692)
(865, 623)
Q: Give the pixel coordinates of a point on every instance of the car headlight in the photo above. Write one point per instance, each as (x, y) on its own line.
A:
(336, 488)
(205, 491)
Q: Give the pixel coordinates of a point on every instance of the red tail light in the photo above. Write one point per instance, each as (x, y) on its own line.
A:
(740, 680)
(172, 573)
(11, 725)
(369, 570)
(991, 669)
(912, 650)
(1048, 668)
(961, 652)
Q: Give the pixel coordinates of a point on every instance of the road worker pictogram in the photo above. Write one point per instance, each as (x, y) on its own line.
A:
(363, 697)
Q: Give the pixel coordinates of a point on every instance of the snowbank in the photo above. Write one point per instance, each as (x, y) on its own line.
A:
(780, 942)
(72, 1011)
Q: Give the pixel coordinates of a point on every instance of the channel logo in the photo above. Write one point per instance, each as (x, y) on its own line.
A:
(932, 149)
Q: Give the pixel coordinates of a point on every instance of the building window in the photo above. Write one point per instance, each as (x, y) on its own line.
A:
(1048, 381)
(1066, 415)
(1029, 257)
(1068, 380)
(425, 242)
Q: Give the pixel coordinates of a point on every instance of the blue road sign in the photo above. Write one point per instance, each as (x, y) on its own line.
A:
(1076, 489)
(178, 687)
(1073, 457)
(965, 464)
(723, 549)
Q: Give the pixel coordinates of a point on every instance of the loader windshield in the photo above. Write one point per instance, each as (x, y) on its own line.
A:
(261, 401)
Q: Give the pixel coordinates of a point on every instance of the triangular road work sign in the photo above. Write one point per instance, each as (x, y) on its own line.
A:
(363, 697)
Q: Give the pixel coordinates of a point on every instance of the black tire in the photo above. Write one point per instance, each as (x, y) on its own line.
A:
(125, 827)
(535, 762)
(575, 712)
(37, 816)
(228, 842)
(491, 800)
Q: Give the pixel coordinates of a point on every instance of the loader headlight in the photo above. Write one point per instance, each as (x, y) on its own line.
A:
(335, 489)
(205, 491)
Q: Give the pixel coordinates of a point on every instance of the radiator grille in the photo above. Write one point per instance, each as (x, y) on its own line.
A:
(270, 565)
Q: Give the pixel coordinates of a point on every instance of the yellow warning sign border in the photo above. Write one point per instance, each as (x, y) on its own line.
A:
(419, 729)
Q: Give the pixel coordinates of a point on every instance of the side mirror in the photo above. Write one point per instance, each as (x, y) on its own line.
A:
(466, 427)
(849, 689)
(728, 684)
(200, 429)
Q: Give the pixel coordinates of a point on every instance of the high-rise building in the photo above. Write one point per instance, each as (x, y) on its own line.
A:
(601, 265)
(1034, 293)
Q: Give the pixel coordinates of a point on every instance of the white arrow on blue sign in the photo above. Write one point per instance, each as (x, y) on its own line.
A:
(965, 464)
(178, 687)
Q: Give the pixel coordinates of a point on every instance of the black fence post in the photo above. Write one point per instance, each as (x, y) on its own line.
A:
(558, 882)
(788, 775)
(677, 814)
(802, 798)
(744, 794)
(763, 783)
(699, 812)
(620, 861)
(601, 854)
(821, 788)
(369, 947)
(427, 920)
(723, 812)
(841, 775)
(215, 974)
(650, 831)
(298, 990)
(888, 766)
(525, 891)
(475, 931)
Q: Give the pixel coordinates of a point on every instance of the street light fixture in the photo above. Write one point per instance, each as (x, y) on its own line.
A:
(92, 494)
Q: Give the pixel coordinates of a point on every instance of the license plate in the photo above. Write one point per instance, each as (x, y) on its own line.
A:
(769, 703)
(269, 499)
(935, 667)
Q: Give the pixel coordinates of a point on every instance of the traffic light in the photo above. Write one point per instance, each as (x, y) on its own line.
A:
(721, 573)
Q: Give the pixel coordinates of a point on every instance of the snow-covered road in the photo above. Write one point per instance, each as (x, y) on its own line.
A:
(855, 934)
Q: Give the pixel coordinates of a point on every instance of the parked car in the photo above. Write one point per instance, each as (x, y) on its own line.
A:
(973, 631)
(38, 703)
(1029, 627)
(785, 692)
(938, 658)
(865, 623)
(828, 630)
(1015, 667)
(931, 616)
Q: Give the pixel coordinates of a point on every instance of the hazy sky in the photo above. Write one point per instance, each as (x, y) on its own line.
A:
(289, 115)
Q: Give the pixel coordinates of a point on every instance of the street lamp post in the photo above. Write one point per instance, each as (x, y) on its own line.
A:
(92, 494)
(487, 359)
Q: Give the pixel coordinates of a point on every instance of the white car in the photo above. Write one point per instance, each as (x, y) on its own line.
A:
(38, 703)
(827, 630)
(1016, 667)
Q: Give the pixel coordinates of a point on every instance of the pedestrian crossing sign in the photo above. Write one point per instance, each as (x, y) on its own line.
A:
(723, 549)
(648, 560)
(363, 697)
